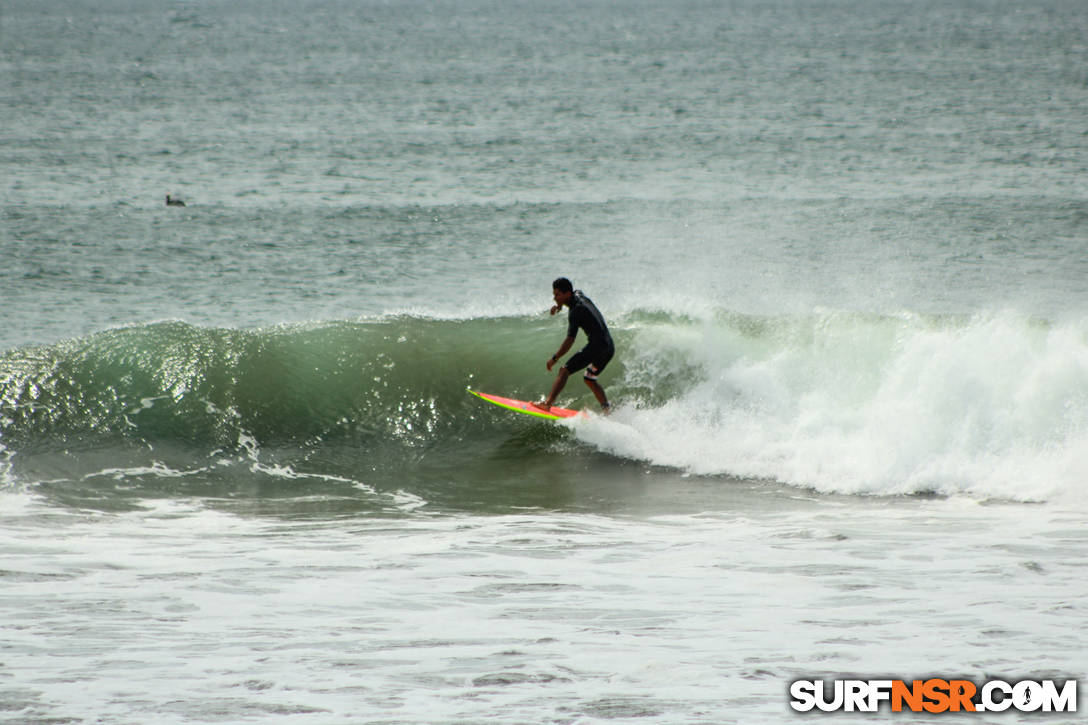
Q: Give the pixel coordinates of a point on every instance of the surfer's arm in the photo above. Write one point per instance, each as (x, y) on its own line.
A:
(567, 343)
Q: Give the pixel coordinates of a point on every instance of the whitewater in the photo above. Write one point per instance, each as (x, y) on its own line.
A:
(842, 250)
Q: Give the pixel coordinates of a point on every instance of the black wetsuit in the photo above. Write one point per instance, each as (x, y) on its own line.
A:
(600, 349)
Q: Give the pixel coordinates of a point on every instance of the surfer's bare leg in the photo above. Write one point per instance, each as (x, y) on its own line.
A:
(598, 393)
(557, 388)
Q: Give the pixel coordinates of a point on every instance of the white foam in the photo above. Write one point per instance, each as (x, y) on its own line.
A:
(993, 406)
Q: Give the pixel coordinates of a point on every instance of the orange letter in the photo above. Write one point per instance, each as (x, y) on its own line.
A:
(912, 695)
(961, 692)
(936, 691)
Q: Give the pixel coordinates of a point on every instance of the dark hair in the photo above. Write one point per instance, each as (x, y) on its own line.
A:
(563, 285)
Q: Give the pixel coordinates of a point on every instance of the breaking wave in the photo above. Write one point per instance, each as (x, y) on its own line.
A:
(988, 406)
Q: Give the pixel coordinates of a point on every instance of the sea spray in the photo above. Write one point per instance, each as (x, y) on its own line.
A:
(990, 405)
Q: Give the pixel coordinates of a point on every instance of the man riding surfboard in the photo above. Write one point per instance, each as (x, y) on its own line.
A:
(594, 356)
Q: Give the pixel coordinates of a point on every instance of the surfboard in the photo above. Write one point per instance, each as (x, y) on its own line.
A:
(523, 406)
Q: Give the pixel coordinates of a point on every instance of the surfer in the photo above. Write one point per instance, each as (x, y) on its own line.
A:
(594, 356)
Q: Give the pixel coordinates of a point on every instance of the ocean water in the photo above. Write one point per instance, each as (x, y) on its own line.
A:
(842, 247)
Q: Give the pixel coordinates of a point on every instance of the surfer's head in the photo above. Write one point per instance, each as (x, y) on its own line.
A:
(562, 289)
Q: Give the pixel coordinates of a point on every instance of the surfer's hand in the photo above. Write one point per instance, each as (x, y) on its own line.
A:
(556, 308)
(550, 363)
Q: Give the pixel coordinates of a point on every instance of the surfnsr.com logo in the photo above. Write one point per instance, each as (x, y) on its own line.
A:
(935, 695)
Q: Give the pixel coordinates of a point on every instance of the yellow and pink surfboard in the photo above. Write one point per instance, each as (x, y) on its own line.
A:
(523, 406)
